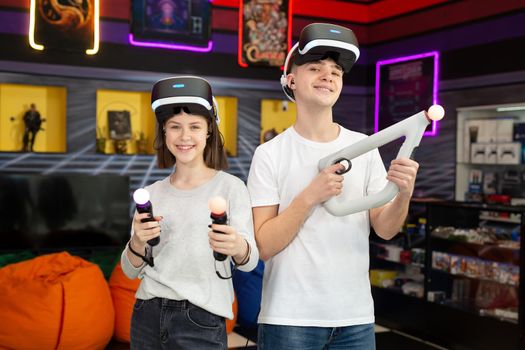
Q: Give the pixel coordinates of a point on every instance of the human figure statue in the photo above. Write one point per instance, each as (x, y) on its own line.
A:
(33, 123)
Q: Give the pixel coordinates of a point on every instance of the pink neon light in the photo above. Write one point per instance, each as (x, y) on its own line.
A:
(433, 131)
(132, 41)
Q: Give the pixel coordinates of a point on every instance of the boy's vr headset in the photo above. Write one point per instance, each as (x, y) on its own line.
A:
(189, 93)
(317, 42)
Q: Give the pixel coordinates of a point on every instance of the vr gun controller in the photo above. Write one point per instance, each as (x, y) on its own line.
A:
(412, 128)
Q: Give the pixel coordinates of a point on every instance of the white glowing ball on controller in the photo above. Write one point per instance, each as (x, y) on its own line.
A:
(141, 196)
(217, 205)
(436, 112)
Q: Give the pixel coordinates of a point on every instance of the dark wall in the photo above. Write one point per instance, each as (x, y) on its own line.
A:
(480, 64)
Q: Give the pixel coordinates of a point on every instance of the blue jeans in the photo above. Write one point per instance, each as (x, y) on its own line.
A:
(275, 337)
(170, 324)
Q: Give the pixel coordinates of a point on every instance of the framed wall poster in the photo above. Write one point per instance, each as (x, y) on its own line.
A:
(264, 32)
(119, 123)
(64, 25)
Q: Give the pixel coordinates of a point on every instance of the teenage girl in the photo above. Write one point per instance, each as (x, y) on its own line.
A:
(184, 298)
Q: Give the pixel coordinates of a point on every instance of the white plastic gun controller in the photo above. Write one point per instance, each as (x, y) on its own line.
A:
(412, 128)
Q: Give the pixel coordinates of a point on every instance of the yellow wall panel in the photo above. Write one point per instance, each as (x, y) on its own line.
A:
(276, 116)
(228, 125)
(56, 121)
(50, 101)
(142, 118)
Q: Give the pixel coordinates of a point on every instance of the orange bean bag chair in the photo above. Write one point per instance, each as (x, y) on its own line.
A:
(123, 293)
(55, 301)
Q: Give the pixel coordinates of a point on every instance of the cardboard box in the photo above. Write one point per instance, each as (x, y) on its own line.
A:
(509, 153)
(477, 153)
(473, 129)
(488, 131)
(491, 153)
(504, 130)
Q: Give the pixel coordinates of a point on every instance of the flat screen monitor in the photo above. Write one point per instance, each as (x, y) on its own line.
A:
(63, 212)
(176, 24)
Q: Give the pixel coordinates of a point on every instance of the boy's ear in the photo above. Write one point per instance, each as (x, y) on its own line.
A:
(291, 82)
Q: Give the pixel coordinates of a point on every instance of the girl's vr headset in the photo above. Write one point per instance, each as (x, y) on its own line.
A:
(189, 93)
(319, 41)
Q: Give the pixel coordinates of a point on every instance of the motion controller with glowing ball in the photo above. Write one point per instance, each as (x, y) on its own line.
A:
(218, 216)
(143, 205)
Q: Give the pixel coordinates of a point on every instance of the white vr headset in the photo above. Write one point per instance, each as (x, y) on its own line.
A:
(319, 41)
(189, 93)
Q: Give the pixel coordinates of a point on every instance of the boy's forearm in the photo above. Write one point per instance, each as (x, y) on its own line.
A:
(275, 234)
(391, 217)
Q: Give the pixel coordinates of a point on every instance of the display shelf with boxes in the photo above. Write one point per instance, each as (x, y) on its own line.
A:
(473, 276)
(490, 154)
(474, 254)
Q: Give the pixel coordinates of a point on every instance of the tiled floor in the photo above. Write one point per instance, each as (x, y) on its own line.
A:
(237, 341)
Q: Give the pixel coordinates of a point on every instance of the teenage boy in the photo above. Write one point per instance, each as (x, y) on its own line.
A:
(316, 290)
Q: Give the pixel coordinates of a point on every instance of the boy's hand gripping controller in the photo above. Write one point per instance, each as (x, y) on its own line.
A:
(412, 128)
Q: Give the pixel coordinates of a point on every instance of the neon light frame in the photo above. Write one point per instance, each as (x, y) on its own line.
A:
(241, 25)
(96, 28)
(434, 129)
(160, 45)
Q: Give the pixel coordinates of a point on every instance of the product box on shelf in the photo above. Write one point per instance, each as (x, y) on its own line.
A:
(511, 183)
(478, 153)
(455, 264)
(504, 129)
(382, 278)
(519, 136)
(490, 182)
(509, 153)
(475, 180)
(418, 256)
(476, 131)
(491, 153)
(474, 267)
(441, 261)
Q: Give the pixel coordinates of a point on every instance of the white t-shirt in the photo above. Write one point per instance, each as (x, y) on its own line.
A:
(321, 278)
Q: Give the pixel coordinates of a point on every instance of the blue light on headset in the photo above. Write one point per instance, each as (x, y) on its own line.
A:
(335, 31)
(178, 86)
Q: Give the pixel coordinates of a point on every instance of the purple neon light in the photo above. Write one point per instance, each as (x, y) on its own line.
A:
(434, 129)
(132, 41)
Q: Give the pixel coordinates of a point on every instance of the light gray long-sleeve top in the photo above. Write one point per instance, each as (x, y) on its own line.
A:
(184, 264)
